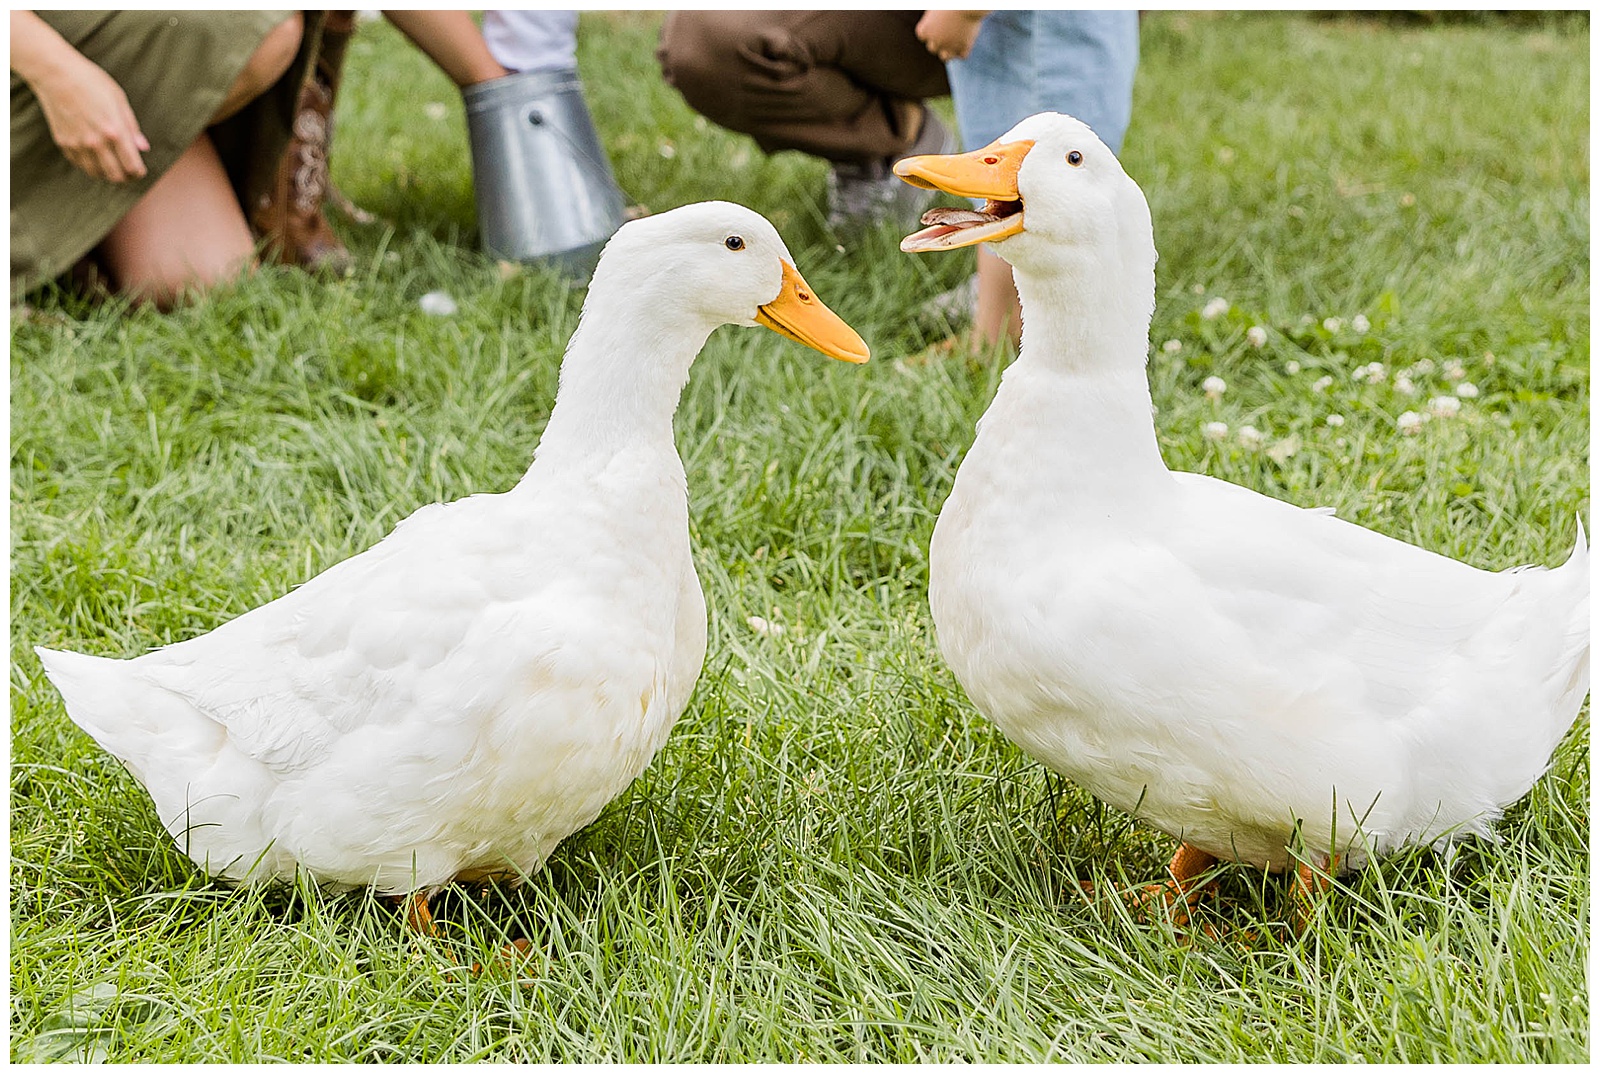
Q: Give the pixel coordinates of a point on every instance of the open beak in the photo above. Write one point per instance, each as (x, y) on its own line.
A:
(800, 315)
(989, 173)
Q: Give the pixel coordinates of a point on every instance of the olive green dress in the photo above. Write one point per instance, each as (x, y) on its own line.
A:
(176, 67)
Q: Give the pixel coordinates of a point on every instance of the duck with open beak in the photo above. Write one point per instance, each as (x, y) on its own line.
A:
(989, 174)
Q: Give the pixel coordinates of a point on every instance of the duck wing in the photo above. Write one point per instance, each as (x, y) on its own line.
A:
(1462, 679)
(349, 649)
(1306, 586)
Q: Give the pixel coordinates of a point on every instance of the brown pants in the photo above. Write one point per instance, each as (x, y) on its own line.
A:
(843, 85)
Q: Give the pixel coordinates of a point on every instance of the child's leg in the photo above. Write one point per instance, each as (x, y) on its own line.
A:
(1077, 62)
(1083, 64)
(992, 87)
(999, 312)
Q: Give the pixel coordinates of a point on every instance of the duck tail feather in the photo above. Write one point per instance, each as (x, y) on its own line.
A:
(88, 686)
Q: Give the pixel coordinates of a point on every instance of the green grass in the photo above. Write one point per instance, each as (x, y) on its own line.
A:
(835, 857)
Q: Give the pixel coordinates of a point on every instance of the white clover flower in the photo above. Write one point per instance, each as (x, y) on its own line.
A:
(1403, 385)
(1332, 324)
(1444, 406)
(667, 150)
(1467, 390)
(1409, 423)
(1256, 335)
(1360, 323)
(1214, 387)
(1284, 449)
(1454, 369)
(1335, 420)
(1214, 430)
(1214, 309)
(763, 627)
(1199, 288)
(1172, 346)
(437, 303)
(436, 110)
(1422, 367)
(1322, 384)
(1250, 436)
(1291, 367)
(1306, 319)
(1372, 372)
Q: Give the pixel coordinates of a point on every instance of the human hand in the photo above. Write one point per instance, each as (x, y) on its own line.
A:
(91, 121)
(949, 34)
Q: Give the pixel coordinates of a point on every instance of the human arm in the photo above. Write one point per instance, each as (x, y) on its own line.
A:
(452, 41)
(949, 34)
(87, 111)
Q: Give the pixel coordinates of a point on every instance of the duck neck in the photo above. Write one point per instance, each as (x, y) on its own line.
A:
(621, 376)
(1079, 380)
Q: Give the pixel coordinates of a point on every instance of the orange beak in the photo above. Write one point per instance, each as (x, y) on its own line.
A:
(800, 315)
(989, 173)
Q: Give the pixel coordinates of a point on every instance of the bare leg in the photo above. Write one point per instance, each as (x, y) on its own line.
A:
(186, 232)
(453, 41)
(264, 67)
(999, 314)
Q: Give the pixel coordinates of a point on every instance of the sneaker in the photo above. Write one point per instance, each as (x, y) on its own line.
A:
(955, 307)
(863, 194)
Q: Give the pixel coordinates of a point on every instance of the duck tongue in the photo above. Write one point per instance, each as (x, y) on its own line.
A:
(945, 215)
(943, 223)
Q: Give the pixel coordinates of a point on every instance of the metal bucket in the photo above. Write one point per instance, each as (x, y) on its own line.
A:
(543, 184)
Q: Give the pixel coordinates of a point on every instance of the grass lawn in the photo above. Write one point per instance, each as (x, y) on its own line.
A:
(835, 857)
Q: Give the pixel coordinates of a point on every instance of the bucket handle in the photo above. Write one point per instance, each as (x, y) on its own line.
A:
(536, 118)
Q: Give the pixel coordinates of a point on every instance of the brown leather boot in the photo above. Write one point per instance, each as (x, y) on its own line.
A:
(290, 217)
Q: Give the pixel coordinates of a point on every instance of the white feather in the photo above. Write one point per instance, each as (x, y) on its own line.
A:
(455, 700)
(1222, 664)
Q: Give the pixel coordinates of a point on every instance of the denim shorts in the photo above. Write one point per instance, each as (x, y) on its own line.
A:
(1023, 62)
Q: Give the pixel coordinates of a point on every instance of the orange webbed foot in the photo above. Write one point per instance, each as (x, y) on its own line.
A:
(1310, 884)
(419, 916)
(510, 955)
(1177, 894)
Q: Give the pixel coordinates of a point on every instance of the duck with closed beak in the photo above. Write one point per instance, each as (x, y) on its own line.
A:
(452, 702)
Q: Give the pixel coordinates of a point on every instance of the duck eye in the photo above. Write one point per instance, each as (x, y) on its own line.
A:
(733, 242)
(1075, 159)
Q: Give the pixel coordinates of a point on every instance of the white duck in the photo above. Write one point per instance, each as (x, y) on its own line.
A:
(1220, 664)
(458, 698)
